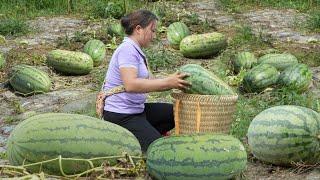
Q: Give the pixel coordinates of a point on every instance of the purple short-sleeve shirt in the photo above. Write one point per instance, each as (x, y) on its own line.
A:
(128, 54)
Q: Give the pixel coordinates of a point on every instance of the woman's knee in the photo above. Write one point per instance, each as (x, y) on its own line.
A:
(147, 137)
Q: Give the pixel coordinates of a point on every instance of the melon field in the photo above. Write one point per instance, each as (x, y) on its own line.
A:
(53, 60)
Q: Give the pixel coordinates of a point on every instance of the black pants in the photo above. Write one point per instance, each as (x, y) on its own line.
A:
(148, 126)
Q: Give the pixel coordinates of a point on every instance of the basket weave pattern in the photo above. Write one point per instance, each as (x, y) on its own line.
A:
(203, 113)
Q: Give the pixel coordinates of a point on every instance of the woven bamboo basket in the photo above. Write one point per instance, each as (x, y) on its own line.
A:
(203, 113)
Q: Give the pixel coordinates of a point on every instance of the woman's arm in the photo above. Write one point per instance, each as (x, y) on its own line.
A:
(138, 85)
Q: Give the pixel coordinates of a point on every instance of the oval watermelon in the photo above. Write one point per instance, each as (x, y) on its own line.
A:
(284, 134)
(46, 136)
(204, 82)
(70, 62)
(198, 156)
(279, 61)
(203, 45)
(29, 80)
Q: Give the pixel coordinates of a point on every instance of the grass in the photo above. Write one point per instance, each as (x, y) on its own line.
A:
(22, 55)
(301, 5)
(311, 58)
(14, 13)
(313, 23)
(11, 27)
(311, 7)
(34, 8)
(250, 105)
(162, 59)
(98, 77)
(245, 39)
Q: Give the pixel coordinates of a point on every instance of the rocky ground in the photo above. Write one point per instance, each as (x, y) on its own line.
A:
(74, 94)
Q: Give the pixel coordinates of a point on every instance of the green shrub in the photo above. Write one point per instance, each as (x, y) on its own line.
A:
(313, 22)
(13, 27)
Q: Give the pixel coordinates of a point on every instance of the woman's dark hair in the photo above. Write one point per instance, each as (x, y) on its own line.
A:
(140, 17)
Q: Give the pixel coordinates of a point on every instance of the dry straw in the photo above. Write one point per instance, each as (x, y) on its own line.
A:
(195, 113)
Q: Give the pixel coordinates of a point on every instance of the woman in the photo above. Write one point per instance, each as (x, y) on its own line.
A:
(128, 67)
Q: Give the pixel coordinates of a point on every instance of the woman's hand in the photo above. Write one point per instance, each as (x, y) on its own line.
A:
(177, 81)
(139, 85)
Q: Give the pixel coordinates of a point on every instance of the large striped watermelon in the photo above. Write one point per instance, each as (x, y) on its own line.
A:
(29, 80)
(296, 77)
(49, 135)
(244, 60)
(176, 32)
(70, 62)
(198, 156)
(204, 82)
(259, 78)
(284, 134)
(96, 49)
(279, 61)
(203, 45)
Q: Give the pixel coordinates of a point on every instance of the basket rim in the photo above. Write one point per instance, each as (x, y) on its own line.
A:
(179, 95)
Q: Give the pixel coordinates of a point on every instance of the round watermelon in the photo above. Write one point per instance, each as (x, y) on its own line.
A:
(285, 134)
(176, 32)
(115, 29)
(96, 49)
